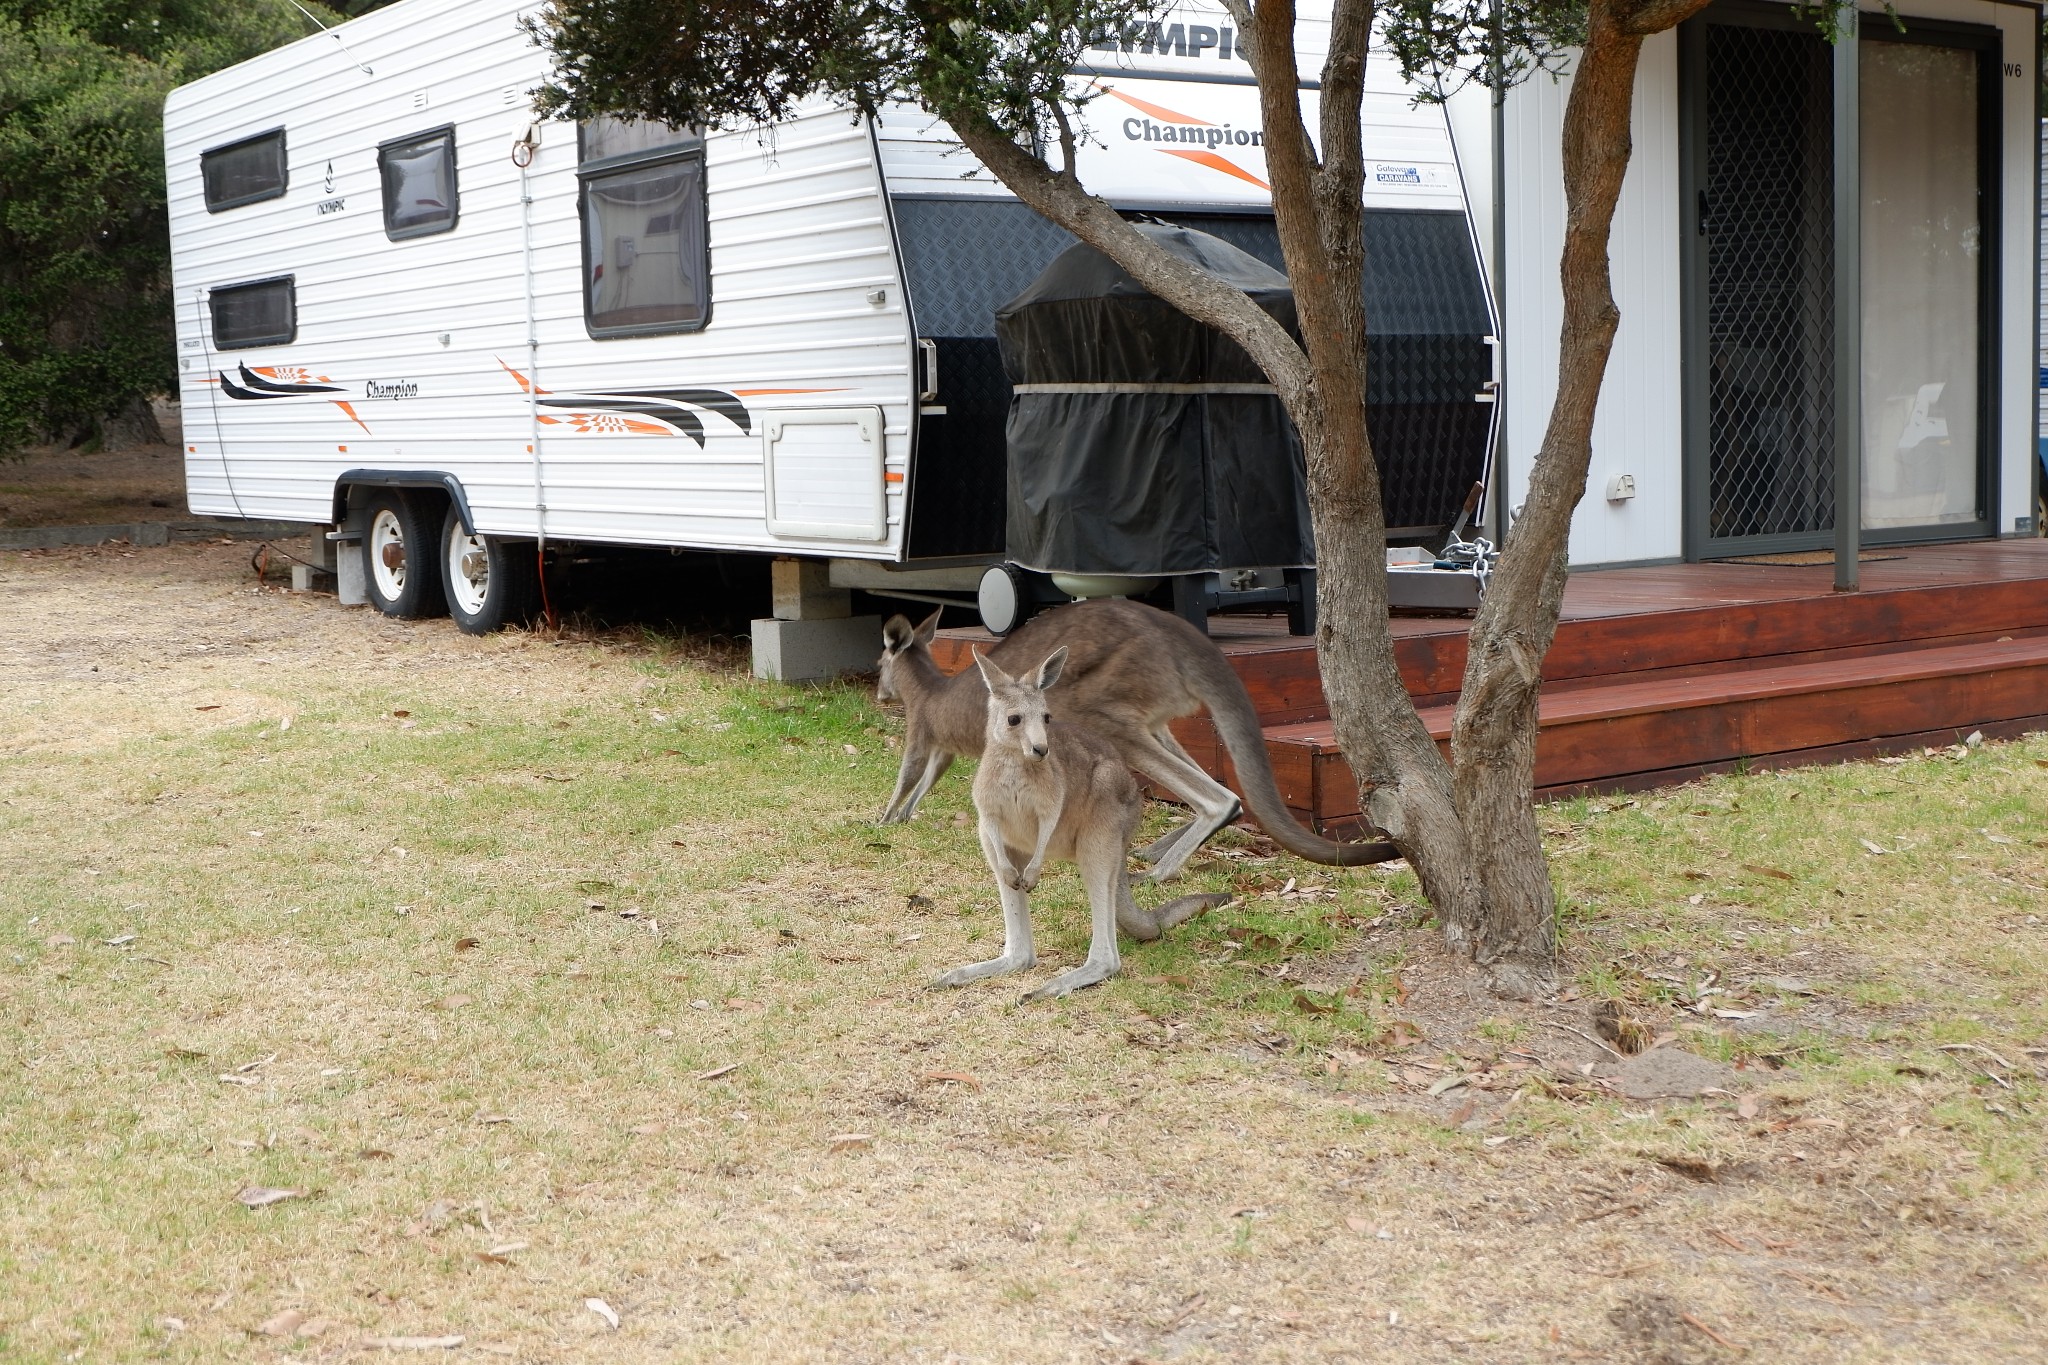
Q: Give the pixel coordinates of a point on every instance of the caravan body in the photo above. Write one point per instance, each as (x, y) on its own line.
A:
(777, 340)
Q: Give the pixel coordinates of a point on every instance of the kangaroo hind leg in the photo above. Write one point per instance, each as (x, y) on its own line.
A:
(1160, 757)
(1101, 859)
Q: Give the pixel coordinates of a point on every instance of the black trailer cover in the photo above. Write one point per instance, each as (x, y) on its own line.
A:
(1141, 441)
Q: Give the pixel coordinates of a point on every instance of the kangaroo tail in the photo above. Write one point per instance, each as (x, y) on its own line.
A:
(1230, 708)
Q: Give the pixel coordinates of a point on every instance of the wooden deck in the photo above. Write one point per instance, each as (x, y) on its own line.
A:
(1662, 674)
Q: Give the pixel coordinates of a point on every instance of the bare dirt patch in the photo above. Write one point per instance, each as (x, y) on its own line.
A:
(55, 486)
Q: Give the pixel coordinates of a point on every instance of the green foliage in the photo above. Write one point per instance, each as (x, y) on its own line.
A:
(736, 62)
(85, 304)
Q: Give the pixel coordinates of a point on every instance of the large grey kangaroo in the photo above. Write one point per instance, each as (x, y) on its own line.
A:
(1130, 670)
(1052, 790)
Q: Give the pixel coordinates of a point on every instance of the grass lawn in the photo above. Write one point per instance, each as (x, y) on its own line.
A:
(556, 996)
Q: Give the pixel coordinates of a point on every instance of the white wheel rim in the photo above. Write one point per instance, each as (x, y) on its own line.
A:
(469, 572)
(997, 600)
(386, 532)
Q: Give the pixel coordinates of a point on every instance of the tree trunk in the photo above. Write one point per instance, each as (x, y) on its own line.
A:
(1405, 784)
(1493, 738)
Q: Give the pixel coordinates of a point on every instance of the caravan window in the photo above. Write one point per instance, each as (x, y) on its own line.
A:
(260, 313)
(646, 262)
(244, 172)
(419, 184)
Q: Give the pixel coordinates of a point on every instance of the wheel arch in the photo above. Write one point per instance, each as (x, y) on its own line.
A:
(347, 499)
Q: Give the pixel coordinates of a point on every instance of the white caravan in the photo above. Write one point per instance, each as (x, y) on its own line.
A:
(408, 311)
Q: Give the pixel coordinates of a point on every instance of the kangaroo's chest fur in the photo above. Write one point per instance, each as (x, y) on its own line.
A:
(1081, 786)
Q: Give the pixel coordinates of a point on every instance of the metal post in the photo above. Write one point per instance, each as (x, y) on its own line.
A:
(1498, 475)
(1848, 305)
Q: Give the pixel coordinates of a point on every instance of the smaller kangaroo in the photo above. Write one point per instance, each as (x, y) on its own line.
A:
(1050, 790)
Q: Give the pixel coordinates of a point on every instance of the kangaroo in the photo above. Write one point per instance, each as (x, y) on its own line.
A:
(1132, 670)
(1047, 789)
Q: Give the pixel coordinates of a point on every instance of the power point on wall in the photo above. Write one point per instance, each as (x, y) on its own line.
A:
(2023, 525)
(1621, 488)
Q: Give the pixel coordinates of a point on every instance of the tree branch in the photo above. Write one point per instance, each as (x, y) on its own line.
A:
(1654, 16)
(1344, 88)
(1195, 292)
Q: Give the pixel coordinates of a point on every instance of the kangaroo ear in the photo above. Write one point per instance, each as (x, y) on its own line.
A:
(929, 627)
(991, 672)
(1049, 671)
(896, 635)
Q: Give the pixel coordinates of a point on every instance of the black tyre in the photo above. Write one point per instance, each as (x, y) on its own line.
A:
(491, 582)
(401, 559)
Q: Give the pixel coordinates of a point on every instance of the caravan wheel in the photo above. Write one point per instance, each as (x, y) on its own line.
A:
(1005, 599)
(400, 568)
(490, 583)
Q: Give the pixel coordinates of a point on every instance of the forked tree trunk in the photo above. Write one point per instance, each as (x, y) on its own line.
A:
(1469, 831)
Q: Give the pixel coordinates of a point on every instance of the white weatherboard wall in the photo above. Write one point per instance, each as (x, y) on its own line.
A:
(1638, 427)
(807, 306)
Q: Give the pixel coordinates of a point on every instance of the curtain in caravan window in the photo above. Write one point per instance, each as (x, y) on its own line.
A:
(419, 184)
(645, 247)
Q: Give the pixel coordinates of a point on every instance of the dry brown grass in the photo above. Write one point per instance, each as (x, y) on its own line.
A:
(1193, 1163)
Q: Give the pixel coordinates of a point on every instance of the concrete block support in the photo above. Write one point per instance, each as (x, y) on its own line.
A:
(815, 651)
(813, 634)
(803, 591)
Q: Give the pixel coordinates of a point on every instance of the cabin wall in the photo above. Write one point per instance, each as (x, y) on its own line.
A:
(1638, 428)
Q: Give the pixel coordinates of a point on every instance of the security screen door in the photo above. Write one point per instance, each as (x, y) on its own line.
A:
(1758, 179)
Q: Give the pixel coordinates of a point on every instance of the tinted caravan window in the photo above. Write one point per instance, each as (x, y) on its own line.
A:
(646, 262)
(419, 184)
(244, 172)
(261, 313)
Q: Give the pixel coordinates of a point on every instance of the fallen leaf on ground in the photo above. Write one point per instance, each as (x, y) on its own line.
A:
(284, 1324)
(850, 1142)
(1746, 1107)
(1692, 1168)
(1874, 848)
(736, 1003)
(1358, 1224)
(507, 1248)
(59, 941)
(1308, 1004)
(413, 1343)
(374, 1154)
(603, 1310)
(463, 945)
(260, 1196)
(1763, 871)
(183, 1054)
(955, 1077)
(493, 1118)
(715, 1072)
(454, 1002)
(120, 940)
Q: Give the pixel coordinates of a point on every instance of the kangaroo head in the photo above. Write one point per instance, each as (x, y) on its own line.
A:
(1016, 706)
(900, 638)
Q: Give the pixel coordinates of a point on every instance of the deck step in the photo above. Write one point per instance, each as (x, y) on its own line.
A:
(1628, 733)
